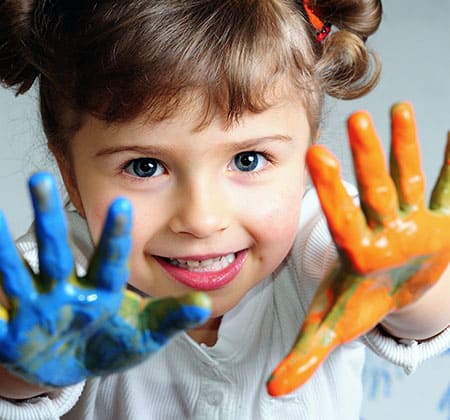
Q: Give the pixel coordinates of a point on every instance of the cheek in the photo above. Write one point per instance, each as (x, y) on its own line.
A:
(146, 219)
(95, 216)
(274, 220)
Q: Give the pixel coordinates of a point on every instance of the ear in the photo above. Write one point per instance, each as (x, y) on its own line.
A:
(70, 182)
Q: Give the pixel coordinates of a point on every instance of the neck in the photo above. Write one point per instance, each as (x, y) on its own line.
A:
(206, 333)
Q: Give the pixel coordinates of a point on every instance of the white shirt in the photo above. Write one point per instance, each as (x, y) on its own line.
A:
(186, 380)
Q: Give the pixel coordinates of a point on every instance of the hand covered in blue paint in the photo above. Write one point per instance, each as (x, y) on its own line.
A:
(58, 329)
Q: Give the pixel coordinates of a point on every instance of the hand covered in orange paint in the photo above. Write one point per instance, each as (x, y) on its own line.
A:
(392, 248)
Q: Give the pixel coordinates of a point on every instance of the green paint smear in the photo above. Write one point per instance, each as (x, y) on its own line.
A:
(156, 311)
(129, 308)
(402, 274)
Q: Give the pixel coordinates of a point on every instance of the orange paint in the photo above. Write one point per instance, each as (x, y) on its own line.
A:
(315, 21)
(301, 362)
(393, 248)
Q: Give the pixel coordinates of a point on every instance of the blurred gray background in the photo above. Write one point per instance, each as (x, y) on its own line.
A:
(414, 46)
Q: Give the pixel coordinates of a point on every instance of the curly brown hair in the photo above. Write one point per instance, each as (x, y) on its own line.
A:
(119, 59)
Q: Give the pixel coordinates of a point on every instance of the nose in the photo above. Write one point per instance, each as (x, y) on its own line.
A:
(201, 209)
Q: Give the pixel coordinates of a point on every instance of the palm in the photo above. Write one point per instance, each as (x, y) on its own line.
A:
(392, 248)
(58, 329)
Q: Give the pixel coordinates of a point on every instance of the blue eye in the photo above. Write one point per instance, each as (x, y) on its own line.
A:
(144, 167)
(248, 162)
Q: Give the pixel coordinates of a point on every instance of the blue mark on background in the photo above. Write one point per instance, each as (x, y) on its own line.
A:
(380, 376)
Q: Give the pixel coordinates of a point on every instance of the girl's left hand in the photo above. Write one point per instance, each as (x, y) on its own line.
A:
(392, 248)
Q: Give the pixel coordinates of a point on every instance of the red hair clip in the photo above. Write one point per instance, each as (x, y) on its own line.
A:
(322, 28)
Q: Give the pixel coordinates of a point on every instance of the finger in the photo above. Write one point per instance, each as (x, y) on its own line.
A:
(315, 341)
(322, 303)
(4, 320)
(55, 256)
(355, 311)
(311, 346)
(406, 168)
(440, 197)
(376, 188)
(345, 219)
(160, 319)
(109, 267)
(295, 369)
(15, 277)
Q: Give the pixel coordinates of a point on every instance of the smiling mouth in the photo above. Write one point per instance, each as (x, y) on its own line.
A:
(204, 274)
(210, 264)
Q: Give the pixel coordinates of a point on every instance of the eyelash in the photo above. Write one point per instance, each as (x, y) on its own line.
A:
(127, 164)
(266, 155)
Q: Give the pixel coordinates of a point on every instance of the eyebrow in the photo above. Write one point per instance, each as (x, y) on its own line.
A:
(251, 143)
(144, 150)
(155, 150)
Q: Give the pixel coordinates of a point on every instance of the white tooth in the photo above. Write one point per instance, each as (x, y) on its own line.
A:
(192, 263)
(230, 258)
(210, 264)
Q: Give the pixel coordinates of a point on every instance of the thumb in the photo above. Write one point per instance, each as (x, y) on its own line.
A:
(163, 318)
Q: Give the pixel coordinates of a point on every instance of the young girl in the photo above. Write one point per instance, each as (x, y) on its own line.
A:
(201, 113)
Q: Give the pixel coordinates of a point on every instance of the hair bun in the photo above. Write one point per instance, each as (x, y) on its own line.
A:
(347, 68)
(16, 64)
(361, 17)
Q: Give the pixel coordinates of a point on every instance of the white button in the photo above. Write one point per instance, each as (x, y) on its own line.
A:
(214, 397)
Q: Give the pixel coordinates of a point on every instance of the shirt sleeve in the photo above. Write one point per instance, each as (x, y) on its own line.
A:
(317, 253)
(49, 407)
(408, 354)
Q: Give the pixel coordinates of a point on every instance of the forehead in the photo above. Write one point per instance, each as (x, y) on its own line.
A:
(285, 119)
(280, 110)
(202, 108)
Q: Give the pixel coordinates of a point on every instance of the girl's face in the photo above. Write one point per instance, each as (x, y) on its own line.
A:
(215, 209)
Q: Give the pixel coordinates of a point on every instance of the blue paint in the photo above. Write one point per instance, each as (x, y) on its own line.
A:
(55, 257)
(14, 276)
(444, 403)
(63, 329)
(114, 247)
(381, 384)
(381, 379)
(185, 316)
(378, 376)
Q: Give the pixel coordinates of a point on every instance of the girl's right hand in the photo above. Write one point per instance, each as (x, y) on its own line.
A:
(57, 329)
